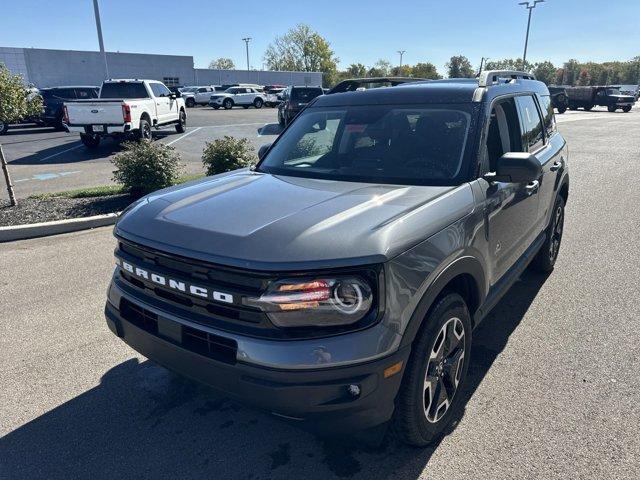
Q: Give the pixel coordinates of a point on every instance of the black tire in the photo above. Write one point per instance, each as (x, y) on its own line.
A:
(90, 141)
(572, 107)
(216, 107)
(144, 132)
(190, 102)
(441, 352)
(181, 126)
(545, 259)
(281, 118)
(58, 124)
(227, 104)
(626, 108)
(611, 108)
(4, 127)
(258, 102)
(587, 108)
(562, 109)
(245, 106)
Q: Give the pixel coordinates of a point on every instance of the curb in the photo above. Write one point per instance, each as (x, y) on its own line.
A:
(44, 229)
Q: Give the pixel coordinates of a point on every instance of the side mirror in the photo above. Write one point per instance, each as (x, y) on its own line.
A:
(516, 167)
(173, 96)
(263, 150)
(279, 97)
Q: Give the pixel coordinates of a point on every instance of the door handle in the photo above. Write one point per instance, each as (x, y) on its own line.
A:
(532, 187)
(556, 166)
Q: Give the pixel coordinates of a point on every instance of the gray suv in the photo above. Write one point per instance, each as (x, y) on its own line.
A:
(337, 283)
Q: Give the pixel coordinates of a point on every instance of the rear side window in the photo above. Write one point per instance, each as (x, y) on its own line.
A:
(532, 136)
(67, 93)
(84, 93)
(124, 90)
(305, 95)
(549, 117)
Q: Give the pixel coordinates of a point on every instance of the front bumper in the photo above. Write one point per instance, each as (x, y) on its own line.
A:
(317, 398)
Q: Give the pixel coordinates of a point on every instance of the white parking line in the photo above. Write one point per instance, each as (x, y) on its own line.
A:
(236, 125)
(59, 153)
(185, 135)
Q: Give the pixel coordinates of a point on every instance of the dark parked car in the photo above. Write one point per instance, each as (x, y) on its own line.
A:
(389, 224)
(293, 100)
(54, 98)
(589, 97)
(559, 98)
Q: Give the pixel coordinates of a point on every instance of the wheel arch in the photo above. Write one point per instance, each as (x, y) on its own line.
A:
(465, 276)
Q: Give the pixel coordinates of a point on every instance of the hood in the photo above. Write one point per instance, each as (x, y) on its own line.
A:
(261, 221)
(620, 97)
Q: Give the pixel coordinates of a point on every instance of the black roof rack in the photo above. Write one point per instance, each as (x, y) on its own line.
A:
(492, 77)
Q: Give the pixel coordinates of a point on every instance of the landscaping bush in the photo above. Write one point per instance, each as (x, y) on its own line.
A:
(146, 166)
(226, 154)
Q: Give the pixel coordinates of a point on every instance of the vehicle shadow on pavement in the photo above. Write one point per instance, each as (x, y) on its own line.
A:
(142, 421)
(270, 129)
(59, 154)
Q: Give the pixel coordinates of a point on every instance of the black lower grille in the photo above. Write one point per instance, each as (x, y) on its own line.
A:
(207, 344)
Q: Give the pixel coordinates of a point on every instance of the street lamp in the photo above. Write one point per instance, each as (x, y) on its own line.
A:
(246, 41)
(401, 52)
(96, 11)
(529, 6)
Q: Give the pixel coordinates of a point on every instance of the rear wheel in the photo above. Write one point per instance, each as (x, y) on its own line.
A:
(587, 108)
(227, 104)
(216, 107)
(611, 108)
(90, 141)
(181, 126)
(258, 102)
(429, 398)
(626, 108)
(3, 127)
(280, 118)
(144, 133)
(190, 103)
(546, 257)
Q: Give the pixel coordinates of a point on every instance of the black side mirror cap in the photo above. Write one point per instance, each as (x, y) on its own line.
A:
(516, 167)
(263, 150)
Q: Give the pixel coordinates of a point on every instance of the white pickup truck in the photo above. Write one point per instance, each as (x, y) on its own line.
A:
(125, 108)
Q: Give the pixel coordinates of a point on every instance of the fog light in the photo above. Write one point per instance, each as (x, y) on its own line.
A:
(354, 390)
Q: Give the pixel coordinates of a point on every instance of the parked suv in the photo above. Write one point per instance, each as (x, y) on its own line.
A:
(559, 98)
(389, 223)
(589, 97)
(240, 96)
(293, 99)
(53, 100)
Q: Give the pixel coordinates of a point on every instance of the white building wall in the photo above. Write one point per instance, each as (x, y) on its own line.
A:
(15, 61)
(205, 76)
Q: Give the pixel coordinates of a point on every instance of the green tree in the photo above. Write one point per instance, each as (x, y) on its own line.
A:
(404, 71)
(382, 68)
(16, 102)
(222, 64)
(356, 70)
(302, 49)
(508, 64)
(545, 72)
(571, 71)
(425, 70)
(584, 78)
(459, 66)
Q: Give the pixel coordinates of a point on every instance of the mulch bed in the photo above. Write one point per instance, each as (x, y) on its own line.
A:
(35, 210)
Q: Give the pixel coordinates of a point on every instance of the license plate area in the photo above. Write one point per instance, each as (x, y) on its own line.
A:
(97, 128)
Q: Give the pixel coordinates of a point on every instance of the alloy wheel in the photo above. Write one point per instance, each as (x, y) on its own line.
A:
(556, 233)
(444, 369)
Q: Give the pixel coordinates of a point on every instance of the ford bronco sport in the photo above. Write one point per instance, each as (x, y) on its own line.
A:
(337, 283)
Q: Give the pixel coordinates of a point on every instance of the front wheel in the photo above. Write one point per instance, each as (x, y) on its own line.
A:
(611, 108)
(216, 107)
(258, 103)
(626, 109)
(562, 109)
(430, 395)
(190, 103)
(546, 257)
(4, 127)
(90, 141)
(181, 126)
(227, 104)
(587, 108)
(280, 118)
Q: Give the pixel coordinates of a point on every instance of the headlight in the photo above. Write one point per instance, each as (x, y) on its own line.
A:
(319, 302)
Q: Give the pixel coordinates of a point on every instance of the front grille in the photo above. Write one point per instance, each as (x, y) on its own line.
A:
(198, 341)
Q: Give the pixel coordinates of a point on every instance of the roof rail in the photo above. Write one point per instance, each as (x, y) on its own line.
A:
(490, 77)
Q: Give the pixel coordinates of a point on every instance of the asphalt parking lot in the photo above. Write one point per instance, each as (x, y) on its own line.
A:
(44, 160)
(554, 390)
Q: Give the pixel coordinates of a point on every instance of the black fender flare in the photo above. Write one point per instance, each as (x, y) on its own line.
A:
(468, 265)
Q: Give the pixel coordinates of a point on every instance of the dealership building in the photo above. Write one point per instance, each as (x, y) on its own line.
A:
(50, 68)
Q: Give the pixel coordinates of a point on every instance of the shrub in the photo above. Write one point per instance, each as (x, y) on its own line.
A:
(226, 154)
(146, 166)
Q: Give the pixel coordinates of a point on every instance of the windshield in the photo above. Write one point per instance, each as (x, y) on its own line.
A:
(188, 89)
(419, 145)
(123, 90)
(305, 95)
(613, 91)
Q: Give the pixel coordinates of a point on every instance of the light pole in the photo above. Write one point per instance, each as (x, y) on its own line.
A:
(246, 41)
(401, 52)
(483, 61)
(529, 6)
(96, 11)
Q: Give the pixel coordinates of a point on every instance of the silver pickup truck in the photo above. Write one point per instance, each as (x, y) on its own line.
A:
(125, 108)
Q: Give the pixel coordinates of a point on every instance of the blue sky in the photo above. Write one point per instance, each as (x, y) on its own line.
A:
(359, 31)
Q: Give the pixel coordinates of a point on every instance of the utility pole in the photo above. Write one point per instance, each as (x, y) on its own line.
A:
(96, 10)
(401, 52)
(246, 41)
(529, 6)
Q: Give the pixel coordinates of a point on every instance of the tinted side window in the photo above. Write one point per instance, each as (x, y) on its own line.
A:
(549, 117)
(532, 136)
(123, 90)
(83, 93)
(64, 93)
(202, 90)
